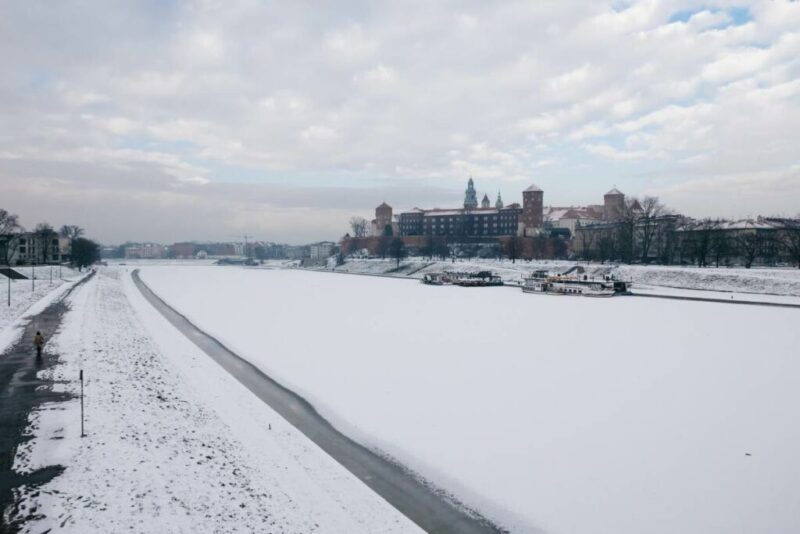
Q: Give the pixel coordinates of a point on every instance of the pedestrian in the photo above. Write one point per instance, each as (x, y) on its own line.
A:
(38, 342)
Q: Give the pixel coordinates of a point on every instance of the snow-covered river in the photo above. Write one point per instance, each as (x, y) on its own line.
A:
(553, 413)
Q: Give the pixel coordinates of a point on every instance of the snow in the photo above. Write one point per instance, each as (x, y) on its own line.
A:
(174, 443)
(763, 281)
(561, 415)
(29, 299)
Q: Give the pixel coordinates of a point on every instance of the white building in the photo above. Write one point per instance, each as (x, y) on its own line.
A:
(322, 250)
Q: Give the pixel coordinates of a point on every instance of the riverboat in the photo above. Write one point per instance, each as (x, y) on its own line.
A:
(582, 286)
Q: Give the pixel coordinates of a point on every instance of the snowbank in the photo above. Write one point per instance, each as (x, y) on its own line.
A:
(174, 443)
(561, 414)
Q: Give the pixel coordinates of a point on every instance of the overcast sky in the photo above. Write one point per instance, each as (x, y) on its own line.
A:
(158, 120)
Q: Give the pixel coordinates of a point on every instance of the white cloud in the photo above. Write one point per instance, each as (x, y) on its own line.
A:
(568, 94)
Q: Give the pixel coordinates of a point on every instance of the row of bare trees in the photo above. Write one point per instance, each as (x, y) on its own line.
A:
(655, 235)
(709, 242)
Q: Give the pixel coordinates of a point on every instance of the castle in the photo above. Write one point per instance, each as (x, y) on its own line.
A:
(493, 221)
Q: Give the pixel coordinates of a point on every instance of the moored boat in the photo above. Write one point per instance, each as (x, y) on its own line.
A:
(545, 283)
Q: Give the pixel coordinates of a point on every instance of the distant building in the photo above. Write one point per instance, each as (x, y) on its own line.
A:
(321, 250)
(32, 247)
(145, 251)
(383, 220)
(613, 205)
(532, 209)
(474, 221)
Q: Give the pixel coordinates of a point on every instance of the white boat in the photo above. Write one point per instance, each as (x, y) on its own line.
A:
(583, 286)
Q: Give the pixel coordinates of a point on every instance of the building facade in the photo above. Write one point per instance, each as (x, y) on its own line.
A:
(30, 247)
(474, 221)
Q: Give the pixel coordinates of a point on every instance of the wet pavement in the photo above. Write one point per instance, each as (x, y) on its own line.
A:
(21, 393)
(432, 510)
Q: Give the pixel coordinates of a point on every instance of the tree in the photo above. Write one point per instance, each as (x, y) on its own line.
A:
(71, 231)
(625, 236)
(9, 236)
(387, 230)
(44, 235)
(790, 240)
(359, 226)
(85, 252)
(700, 240)
(512, 248)
(383, 246)
(441, 250)
(397, 250)
(719, 245)
(748, 243)
(647, 224)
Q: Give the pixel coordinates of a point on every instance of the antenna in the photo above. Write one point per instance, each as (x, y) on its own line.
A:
(246, 243)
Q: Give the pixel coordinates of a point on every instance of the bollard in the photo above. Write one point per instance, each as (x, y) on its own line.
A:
(83, 434)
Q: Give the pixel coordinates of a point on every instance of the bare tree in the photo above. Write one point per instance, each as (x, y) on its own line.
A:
(359, 226)
(646, 225)
(586, 239)
(719, 245)
(748, 243)
(790, 240)
(43, 235)
(625, 236)
(71, 231)
(383, 246)
(397, 250)
(512, 248)
(9, 236)
(700, 240)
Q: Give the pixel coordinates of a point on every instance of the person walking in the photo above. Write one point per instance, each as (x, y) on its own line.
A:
(38, 342)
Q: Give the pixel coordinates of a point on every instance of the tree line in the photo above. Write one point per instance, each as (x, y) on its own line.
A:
(647, 232)
(82, 251)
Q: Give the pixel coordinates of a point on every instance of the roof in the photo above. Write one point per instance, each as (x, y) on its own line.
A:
(533, 187)
(384, 205)
(615, 191)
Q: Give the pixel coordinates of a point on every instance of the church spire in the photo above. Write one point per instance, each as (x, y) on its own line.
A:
(470, 196)
(499, 203)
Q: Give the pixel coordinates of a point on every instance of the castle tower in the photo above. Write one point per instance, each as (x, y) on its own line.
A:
(485, 202)
(470, 196)
(613, 204)
(532, 207)
(383, 217)
(499, 203)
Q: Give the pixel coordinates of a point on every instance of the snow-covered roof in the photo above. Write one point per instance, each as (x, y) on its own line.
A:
(533, 187)
(384, 205)
(615, 191)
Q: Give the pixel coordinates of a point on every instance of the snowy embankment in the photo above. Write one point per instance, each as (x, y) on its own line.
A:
(174, 443)
(561, 415)
(772, 281)
(28, 298)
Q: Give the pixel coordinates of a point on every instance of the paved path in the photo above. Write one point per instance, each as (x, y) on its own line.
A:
(429, 509)
(21, 392)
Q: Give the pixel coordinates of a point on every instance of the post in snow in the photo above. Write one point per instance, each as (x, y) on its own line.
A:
(83, 434)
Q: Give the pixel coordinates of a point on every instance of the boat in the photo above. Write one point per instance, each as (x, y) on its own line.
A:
(435, 279)
(479, 279)
(583, 286)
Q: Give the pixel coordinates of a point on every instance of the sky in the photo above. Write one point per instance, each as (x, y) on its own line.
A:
(168, 120)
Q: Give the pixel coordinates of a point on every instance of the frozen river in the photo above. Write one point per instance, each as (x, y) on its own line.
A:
(551, 413)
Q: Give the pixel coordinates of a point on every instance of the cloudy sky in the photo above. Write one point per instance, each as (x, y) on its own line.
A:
(205, 119)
